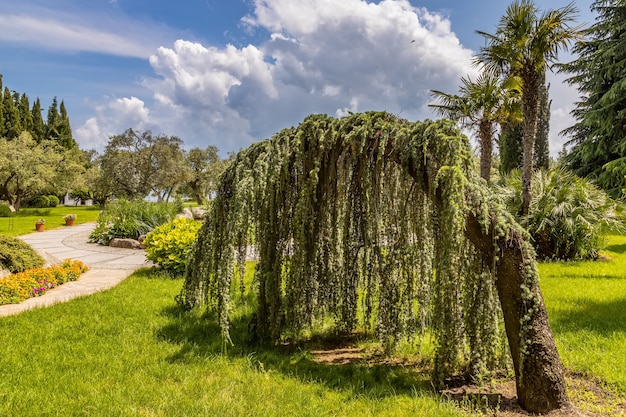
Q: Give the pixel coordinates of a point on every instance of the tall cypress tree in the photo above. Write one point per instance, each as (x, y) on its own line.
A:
(510, 145)
(598, 139)
(1, 112)
(12, 123)
(65, 130)
(511, 137)
(26, 117)
(53, 121)
(39, 128)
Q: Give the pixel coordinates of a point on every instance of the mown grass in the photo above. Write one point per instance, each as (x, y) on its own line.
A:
(586, 303)
(131, 352)
(24, 220)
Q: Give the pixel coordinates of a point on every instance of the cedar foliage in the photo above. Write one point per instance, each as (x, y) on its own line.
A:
(361, 219)
(598, 138)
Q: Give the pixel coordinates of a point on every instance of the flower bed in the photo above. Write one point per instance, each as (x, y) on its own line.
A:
(16, 288)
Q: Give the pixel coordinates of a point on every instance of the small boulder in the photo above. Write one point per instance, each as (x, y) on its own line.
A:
(126, 244)
(198, 213)
(187, 214)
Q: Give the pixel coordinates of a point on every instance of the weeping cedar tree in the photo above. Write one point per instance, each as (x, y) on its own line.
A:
(376, 214)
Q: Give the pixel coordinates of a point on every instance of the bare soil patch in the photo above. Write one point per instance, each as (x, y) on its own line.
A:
(496, 398)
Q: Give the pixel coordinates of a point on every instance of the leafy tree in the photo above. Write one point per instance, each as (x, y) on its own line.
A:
(482, 105)
(391, 211)
(140, 163)
(205, 166)
(28, 168)
(598, 138)
(524, 45)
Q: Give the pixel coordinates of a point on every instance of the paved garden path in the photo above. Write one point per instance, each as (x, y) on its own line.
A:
(107, 266)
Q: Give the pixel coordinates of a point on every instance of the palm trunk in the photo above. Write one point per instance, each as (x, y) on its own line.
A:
(530, 109)
(486, 150)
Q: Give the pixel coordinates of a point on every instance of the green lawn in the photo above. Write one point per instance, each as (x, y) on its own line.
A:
(586, 304)
(131, 352)
(24, 220)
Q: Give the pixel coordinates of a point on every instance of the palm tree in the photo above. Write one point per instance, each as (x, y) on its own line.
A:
(481, 105)
(525, 45)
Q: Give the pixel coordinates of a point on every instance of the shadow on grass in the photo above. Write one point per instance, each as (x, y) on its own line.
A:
(617, 248)
(199, 336)
(603, 318)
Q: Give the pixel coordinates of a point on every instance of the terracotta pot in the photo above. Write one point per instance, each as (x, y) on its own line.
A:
(40, 227)
(69, 222)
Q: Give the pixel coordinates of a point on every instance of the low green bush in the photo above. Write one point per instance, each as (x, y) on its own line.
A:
(53, 201)
(34, 282)
(567, 214)
(169, 244)
(17, 256)
(130, 219)
(40, 201)
(5, 211)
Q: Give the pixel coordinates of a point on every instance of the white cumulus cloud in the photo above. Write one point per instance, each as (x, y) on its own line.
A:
(319, 56)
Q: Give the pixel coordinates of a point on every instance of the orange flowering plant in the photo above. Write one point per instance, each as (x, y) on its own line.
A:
(16, 288)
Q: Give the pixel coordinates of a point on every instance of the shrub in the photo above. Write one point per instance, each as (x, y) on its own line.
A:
(53, 201)
(18, 287)
(5, 211)
(17, 255)
(169, 244)
(40, 201)
(130, 219)
(567, 214)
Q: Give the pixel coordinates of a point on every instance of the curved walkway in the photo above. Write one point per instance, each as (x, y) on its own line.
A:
(107, 266)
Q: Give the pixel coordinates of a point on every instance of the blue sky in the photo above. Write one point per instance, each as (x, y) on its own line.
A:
(230, 72)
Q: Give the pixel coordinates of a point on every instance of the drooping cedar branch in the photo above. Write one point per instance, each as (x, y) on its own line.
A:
(386, 217)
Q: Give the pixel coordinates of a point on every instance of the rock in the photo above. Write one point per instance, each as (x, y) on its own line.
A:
(126, 244)
(187, 214)
(4, 272)
(198, 213)
(141, 238)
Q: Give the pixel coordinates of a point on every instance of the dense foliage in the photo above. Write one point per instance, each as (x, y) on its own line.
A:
(362, 220)
(599, 135)
(34, 282)
(525, 44)
(168, 245)
(131, 219)
(567, 214)
(17, 116)
(29, 168)
(16, 255)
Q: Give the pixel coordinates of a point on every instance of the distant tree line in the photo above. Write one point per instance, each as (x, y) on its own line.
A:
(17, 116)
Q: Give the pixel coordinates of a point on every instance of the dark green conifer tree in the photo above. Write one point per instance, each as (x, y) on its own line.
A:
(1, 111)
(26, 116)
(65, 138)
(12, 123)
(598, 138)
(39, 128)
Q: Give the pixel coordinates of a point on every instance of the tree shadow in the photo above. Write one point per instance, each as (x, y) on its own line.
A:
(342, 366)
(603, 318)
(621, 248)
